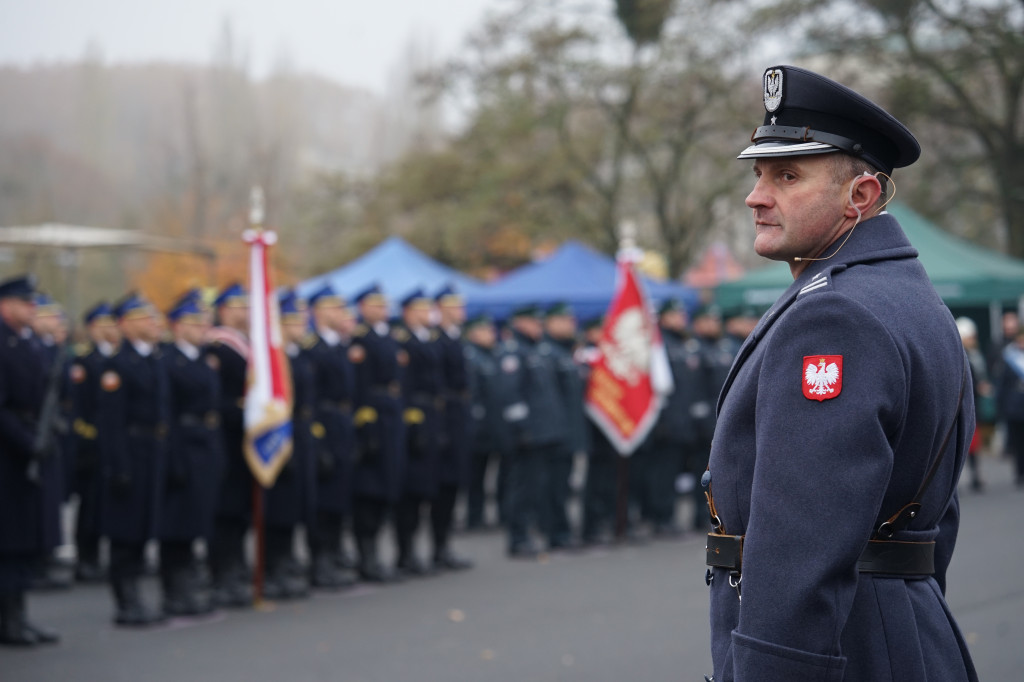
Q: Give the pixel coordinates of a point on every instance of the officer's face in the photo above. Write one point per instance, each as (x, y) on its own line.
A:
(674, 320)
(46, 325)
(141, 328)
(347, 322)
(191, 331)
(329, 316)
(18, 312)
(107, 331)
(294, 326)
(452, 314)
(374, 311)
(798, 207)
(561, 326)
(483, 335)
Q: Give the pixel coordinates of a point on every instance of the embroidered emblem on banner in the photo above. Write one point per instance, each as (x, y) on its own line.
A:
(823, 376)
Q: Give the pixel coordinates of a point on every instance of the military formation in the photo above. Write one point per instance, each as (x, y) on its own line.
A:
(404, 422)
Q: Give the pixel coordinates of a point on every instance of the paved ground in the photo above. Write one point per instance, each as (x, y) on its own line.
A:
(628, 613)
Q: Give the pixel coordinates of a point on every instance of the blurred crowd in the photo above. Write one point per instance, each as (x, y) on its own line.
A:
(421, 424)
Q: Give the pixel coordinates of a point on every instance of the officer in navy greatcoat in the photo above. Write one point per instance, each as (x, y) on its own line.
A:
(560, 334)
(228, 349)
(844, 422)
(195, 456)
(453, 446)
(290, 502)
(490, 441)
(327, 348)
(133, 411)
(380, 432)
(676, 439)
(537, 421)
(84, 373)
(421, 390)
(24, 534)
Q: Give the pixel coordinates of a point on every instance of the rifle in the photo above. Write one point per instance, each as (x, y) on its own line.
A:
(44, 442)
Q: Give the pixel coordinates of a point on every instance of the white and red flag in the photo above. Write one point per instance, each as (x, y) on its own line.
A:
(268, 398)
(630, 377)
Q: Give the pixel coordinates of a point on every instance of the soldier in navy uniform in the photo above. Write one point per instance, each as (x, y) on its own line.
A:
(560, 332)
(488, 436)
(228, 349)
(84, 379)
(290, 502)
(380, 431)
(852, 393)
(677, 436)
(453, 455)
(24, 534)
(421, 391)
(537, 420)
(133, 410)
(195, 462)
(599, 487)
(717, 354)
(49, 336)
(334, 377)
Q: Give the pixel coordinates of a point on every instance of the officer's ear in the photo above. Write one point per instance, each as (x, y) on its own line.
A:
(865, 190)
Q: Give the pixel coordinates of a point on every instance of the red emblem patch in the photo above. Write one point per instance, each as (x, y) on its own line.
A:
(822, 376)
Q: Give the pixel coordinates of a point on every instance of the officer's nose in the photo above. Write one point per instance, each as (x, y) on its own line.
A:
(760, 196)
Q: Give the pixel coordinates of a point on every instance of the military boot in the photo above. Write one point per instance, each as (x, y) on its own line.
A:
(370, 568)
(12, 626)
(131, 612)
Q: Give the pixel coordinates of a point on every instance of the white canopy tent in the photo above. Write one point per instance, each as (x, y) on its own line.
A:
(68, 240)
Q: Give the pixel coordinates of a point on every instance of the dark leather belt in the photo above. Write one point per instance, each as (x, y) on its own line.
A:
(391, 390)
(892, 557)
(147, 430)
(344, 406)
(898, 558)
(209, 420)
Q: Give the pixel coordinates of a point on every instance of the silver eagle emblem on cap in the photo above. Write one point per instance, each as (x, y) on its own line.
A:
(772, 89)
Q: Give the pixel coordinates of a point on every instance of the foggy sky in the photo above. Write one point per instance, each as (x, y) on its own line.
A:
(357, 42)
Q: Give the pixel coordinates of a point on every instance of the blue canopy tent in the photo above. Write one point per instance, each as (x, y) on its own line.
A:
(397, 267)
(576, 274)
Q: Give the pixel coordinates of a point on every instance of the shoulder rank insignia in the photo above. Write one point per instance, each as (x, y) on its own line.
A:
(400, 334)
(360, 330)
(110, 381)
(823, 376)
(310, 340)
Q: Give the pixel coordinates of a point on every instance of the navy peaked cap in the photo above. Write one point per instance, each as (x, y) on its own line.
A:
(23, 286)
(806, 113)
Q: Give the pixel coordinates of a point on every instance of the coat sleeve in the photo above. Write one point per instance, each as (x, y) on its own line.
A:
(821, 470)
(17, 433)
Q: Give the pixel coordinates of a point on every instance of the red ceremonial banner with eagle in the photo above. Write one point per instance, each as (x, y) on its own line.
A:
(630, 374)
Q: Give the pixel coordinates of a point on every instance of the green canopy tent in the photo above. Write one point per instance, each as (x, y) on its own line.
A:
(972, 280)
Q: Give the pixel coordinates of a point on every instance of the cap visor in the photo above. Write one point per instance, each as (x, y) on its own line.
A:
(765, 150)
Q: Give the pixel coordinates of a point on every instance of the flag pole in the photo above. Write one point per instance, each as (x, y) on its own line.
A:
(627, 254)
(258, 524)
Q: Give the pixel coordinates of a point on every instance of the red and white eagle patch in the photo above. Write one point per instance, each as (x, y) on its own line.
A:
(823, 376)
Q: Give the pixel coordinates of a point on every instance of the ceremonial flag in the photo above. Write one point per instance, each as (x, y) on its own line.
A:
(630, 376)
(268, 399)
